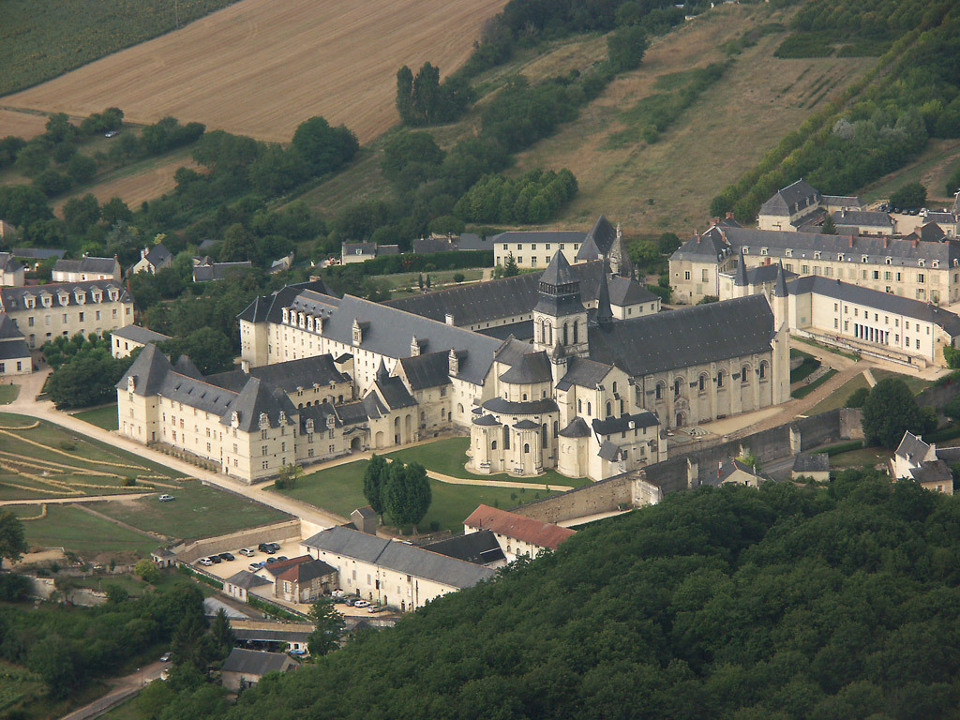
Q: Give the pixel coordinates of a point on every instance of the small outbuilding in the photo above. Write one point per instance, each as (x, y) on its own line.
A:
(244, 668)
(811, 465)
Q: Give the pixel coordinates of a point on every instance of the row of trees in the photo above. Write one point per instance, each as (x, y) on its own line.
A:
(534, 197)
(399, 490)
(424, 100)
(85, 371)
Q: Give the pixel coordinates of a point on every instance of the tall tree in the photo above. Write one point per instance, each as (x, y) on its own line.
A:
(222, 633)
(13, 540)
(407, 495)
(405, 95)
(889, 410)
(374, 477)
(328, 623)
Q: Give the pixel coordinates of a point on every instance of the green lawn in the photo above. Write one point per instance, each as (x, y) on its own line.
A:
(858, 458)
(448, 457)
(198, 511)
(804, 390)
(47, 461)
(17, 685)
(340, 490)
(915, 384)
(102, 417)
(839, 398)
(8, 393)
(73, 529)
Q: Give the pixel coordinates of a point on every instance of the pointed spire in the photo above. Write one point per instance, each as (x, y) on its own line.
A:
(741, 279)
(619, 258)
(382, 373)
(780, 288)
(604, 312)
(558, 272)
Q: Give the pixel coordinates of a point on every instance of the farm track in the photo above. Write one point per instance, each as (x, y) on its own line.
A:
(260, 67)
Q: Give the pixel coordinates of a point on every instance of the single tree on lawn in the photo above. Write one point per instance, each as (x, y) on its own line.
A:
(328, 627)
(374, 478)
(889, 411)
(407, 494)
(13, 541)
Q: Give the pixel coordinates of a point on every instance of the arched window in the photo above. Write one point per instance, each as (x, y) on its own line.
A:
(526, 447)
(719, 378)
(659, 393)
(493, 445)
(443, 413)
(524, 396)
(460, 408)
(543, 434)
(614, 385)
(423, 415)
(763, 370)
(556, 428)
(579, 406)
(703, 383)
(566, 339)
(676, 387)
(589, 408)
(576, 327)
(744, 374)
(608, 408)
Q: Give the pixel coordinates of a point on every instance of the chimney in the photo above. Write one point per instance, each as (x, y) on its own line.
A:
(851, 241)
(448, 318)
(885, 241)
(696, 234)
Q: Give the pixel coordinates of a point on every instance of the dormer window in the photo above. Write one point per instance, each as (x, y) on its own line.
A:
(746, 250)
(789, 252)
(331, 422)
(357, 332)
(310, 323)
(114, 294)
(935, 263)
(309, 427)
(80, 297)
(302, 320)
(888, 261)
(131, 383)
(235, 419)
(839, 257)
(283, 418)
(47, 301)
(453, 363)
(763, 251)
(863, 258)
(97, 296)
(64, 298)
(29, 301)
(264, 421)
(816, 255)
(922, 262)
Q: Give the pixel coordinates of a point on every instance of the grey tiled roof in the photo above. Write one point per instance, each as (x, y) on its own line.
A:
(150, 369)
(558, 272)
(862, 218)
(885, 302)
(538, 236)
(483, 302)
(87, 265)
(394, 392)
(247, 580)
(811, 462)
(256, 399)
(13, 297)
(220, 270)
(526, 425)
(609, 451)
(472, 241)
(598, 241)
(38, 253)
(787, 200)
(8, 264)
(139, 334)
(528, 407)
(486, 421)
(12, 349)
(8, 328)
(711, 246)
(842, 200)
(626, 291)
(278, 634)
(185, 366)
(254, 663)
(158, 255)
(912, 446)
(689, 336)
(364, 248)
(427, 370)
(611, 425)
(479, 548)
(577, 428)
(533, 367)
(584, 373)
(433, 245)
(289, 376)
(349, 543)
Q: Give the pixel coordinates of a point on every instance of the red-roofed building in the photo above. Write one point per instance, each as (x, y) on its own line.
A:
(301, 579)
(517, 535)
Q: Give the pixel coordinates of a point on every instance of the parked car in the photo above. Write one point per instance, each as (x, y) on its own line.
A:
(375, 609)
(349, 601)
(166, 498)
(247, 552)
(281, 558)
(361, 603)
(227, 556)
(205, 561)
(253, 567)
(269, 548)
(215, 559)
(271, 560)
(111, 133)
(166, 657)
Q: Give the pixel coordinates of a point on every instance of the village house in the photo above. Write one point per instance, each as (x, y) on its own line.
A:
(86, 268)
(11, 272)
(244, 668)
(921, 461)
(130, 337)
(517, 535)
(152, 260)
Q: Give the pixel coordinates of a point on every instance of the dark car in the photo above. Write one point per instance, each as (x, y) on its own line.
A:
(267, 548)
(270, 561)
(216, 559)
(227, 556)
(281, 558)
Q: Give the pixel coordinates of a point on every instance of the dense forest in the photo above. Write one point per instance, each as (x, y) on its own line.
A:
(783, 602)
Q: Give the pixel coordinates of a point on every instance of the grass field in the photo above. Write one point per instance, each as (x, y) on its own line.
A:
(859, 458)
(402, 284)
(40, 39)
(932, 168)
(915, 384)
(8, 393)
(24, 125)
(260, 67)
(17, 684)
(839, 398)
(448, 457)
(39, 460)
(74, 529)
(340, 490)
(102, 417)
(198, 511)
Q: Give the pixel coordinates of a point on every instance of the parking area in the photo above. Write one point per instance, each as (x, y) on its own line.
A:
(227, 568)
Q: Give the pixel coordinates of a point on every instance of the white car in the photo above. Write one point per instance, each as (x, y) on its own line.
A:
(205, 561)
(166, 498)
(361, 603)
(247, 552)
(111, 133)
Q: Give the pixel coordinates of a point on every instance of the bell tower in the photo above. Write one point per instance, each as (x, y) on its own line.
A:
(559, 317)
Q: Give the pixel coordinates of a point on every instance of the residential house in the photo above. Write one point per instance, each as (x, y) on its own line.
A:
(301, 579)
(11, 272)
(86, 268)
(480, 548)
(244, 668)
(15, 358)
(358, 252)
(517, 535)
(152, 260)
(130, 337)
(206, 270)
(815, 466)
(737, 472)
(241, 584)
(921, 461)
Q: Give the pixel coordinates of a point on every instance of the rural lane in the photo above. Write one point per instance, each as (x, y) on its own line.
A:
(123, 688)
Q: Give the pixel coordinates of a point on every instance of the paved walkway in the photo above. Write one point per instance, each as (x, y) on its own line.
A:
(77, 499)
(123, 688)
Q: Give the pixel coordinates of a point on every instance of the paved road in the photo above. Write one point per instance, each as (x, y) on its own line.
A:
(123, 688)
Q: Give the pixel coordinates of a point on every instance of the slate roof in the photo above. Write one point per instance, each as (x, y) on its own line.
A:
(486, 301)
(472, 241)
(150, 370)
(811, 462)
(690, 336)
(712, 246)
(558, 272)
(319, 413)
(625, 291)
(432, 245)
(247, 580)
(38, 253)
(220, 270)
(256, 399)
(427, 370)
(480, 548)
(290, 375)
(935, 471)
(947, 218)
(528, 407)
(87, 265)
(728, 469)
(138, 334)
(577, 428)
(486, 421)
(882, 301)
(853, 248)
(584, 373)
(254, 663)
(787, 201)
(526, 425)
(520, 527)
(300, 570)
(611, 425)
(394, 392)
(841, 200)
(8, 328)
(399, 556)
(928, 232)
(185, 366)
(351, 413)
(362, 248)
(862, 218)
(598, 241)
(8, 264)
(13, 297)
(533, 367)
(12, 349)
(278, 634)
(608, 451)
(158, 255)
(913, 447)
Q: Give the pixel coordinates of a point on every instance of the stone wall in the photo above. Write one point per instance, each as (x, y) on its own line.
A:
(287, 530)
(598, 497)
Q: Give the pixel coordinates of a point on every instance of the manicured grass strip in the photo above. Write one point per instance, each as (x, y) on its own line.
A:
(198, 511)
(8, 393)
(804, 370)
(340, 490)
(840, 397)
(104, 417)
(807, 389)
(916, 385)
(72, 528)
(448, 457)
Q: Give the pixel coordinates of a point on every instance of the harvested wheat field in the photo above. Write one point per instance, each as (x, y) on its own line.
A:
(260, 67)
(21, 124)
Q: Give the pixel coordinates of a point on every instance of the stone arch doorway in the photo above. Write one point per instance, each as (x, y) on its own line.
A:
(355, 444)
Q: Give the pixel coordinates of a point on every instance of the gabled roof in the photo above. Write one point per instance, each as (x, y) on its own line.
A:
(8, 328)
(811, 462)
(255, 400)
(394, 392)
(427, 370)
(626, 291)
(158, 255)
(689, 336)
(254, 663)
(712, 246)
(96, 265)
(913, 448)
(480, 548)
(139, 334)
(247, 580)
(519, 527)
(303, 571)
(786, 200)
(598, 241)
(729, 468)
(185, 366)
(584, 373)
(538, 236)
(486, 421)
(533, 367)
(608, 451)
(611, 425)
(220, 270)
(8, 264)
(862, 218)
(150, 369)
(289, 375)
